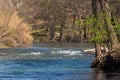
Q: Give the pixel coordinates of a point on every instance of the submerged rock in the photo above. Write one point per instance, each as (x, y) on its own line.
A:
(108, 61)
(2, 54)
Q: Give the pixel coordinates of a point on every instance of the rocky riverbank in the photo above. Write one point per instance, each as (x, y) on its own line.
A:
(109, 61)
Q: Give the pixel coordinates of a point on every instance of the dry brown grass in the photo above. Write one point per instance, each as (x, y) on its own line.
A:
(14, 32)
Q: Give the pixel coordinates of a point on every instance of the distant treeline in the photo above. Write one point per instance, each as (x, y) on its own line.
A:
(65, 20)
(58, 20)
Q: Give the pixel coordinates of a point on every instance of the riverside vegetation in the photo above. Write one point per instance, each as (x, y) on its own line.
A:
(96, 21)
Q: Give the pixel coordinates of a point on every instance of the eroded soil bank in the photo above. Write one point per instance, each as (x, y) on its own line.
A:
(109, 61)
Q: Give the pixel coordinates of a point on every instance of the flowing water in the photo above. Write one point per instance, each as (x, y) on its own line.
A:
(48, 61)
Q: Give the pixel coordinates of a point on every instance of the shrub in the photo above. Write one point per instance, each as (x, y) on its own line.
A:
(14, 31)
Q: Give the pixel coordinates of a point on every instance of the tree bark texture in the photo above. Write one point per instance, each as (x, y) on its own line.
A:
(107, 17)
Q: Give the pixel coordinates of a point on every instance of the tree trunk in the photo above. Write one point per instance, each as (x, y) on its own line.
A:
(52, 31)
(95, 12)
(85, 33)
(80, 30)
(74, 18)
(111, 60)
(98, 50)
(61, 29)
(107, 17)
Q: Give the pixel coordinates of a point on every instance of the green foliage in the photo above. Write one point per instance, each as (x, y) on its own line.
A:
(117, 26)
(97, 28)
(100, 35)
(118, 50)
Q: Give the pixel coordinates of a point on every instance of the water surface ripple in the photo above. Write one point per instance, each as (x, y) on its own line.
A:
(42, 62)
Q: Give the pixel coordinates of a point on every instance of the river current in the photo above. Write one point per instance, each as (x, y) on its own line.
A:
(51, 61)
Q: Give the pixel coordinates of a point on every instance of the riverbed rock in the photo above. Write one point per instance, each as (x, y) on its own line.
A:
(3, 54)
(108, 61)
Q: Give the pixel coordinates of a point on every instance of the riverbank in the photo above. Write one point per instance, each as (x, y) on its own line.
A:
(109, 61)
(3, 46)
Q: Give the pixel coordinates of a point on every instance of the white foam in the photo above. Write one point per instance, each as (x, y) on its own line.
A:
(35, 53)
(68, 52)
(89, 50)
(32, 53)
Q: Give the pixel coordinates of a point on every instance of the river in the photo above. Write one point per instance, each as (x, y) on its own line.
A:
(51, 61)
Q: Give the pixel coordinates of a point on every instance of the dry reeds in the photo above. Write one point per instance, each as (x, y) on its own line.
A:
(14, 31)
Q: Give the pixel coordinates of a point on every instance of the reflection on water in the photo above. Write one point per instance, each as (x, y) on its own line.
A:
(59, 62)
(103, 75)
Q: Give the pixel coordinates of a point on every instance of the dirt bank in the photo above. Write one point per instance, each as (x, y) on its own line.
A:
(108, 61)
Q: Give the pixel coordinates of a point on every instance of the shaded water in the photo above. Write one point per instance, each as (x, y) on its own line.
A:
(48, 61)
